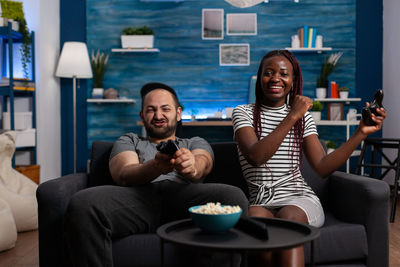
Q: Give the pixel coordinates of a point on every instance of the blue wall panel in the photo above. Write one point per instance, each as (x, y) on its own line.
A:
(73, 28)
(191, 65)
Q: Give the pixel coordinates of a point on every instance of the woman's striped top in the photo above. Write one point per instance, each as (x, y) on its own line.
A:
(279, 179)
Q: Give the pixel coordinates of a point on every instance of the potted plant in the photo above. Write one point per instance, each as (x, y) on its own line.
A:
(316, 110)
(14, 11)
(344, 92)
(331, 146)
(133, 37)
(99, 62)
(327, 68)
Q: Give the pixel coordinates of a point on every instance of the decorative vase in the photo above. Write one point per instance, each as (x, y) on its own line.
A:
(137, 41)
(110, 93)
(344, 94)
(321, 92)
(97, 93)
(316, 115)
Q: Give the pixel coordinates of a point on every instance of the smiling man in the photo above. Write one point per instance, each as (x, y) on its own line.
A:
(153, 188)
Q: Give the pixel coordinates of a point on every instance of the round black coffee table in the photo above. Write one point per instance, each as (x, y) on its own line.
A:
(282, 234)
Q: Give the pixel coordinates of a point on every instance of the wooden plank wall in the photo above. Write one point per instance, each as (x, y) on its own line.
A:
(191, 65)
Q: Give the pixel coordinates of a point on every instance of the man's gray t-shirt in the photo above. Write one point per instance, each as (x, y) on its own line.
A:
(146, 151)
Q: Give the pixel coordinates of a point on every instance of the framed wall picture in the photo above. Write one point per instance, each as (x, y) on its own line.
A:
(335, 111)
(241, 24)
(234, 54)
(212, 24)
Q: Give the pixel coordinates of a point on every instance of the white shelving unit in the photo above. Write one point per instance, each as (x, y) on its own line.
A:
(337, 123)
(135, 50)
(347, 123)
(309, 49)
(119, 100)
(338, 100)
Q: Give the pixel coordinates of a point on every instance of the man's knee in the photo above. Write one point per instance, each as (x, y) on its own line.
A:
(80, 210)
(233, 195)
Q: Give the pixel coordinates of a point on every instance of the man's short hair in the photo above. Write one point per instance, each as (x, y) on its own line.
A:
(148, 87)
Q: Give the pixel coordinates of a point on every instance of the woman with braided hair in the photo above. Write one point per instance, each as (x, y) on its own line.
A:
(271, 134)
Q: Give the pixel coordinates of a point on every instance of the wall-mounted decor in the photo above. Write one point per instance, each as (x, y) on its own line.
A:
(234, 54)
(212, 24)
(241, 24)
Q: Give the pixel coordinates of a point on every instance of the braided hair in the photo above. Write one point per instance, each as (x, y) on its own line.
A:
(298, 128)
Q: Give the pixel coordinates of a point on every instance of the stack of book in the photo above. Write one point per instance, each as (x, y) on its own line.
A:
(307, 36)
(333, 90)
(20, 84)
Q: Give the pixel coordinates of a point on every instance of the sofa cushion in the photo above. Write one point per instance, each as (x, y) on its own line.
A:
(318, 184)
(227, 168)
(338, 242)
(99, 173)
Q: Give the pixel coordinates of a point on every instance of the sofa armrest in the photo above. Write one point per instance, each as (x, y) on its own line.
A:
(363, 200)
(53, 197)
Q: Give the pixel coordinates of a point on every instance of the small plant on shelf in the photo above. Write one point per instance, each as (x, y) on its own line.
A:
(330, 146)
(145, 30)
(327, 68)
(99, 62)
(317, 106)
(343, 92)
(140, 38)
(316, 110)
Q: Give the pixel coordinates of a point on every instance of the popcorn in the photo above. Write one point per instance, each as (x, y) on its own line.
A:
(216, 208)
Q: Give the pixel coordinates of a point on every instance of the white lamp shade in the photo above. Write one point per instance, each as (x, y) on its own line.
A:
(74, 61)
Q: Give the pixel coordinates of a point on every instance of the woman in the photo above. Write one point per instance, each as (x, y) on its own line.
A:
(271, 135)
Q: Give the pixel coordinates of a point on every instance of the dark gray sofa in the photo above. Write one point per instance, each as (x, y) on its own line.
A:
(356, 231)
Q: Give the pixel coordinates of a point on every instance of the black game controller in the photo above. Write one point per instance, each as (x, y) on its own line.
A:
(169, 147)
(367, 111)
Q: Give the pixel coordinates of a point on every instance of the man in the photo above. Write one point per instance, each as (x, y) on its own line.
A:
(154, 188)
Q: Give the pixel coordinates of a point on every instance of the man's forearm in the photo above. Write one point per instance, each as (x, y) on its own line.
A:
(137, 174)
(202, 167)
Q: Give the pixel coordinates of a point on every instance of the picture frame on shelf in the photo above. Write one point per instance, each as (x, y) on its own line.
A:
(241, 24)
(234, 54)
(212, 24)
(335, 111)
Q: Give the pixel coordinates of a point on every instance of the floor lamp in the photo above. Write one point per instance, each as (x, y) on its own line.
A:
(74, 63)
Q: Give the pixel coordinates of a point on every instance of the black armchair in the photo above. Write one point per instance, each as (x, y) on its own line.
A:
(355, 233)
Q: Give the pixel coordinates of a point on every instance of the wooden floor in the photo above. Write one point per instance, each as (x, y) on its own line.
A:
(394, 240)
(26, 251)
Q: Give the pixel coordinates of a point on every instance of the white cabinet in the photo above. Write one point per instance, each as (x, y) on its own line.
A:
(347, 122)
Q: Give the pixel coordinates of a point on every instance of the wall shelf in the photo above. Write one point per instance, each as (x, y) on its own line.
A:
(135, 50)
(309, 49)
(338, 100)
(337, 123)
(119, 100)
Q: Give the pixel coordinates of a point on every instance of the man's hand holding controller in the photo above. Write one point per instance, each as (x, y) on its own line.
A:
(183, 161)
(163, 159)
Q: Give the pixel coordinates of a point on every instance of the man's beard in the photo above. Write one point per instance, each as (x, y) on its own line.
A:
(161, 133)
